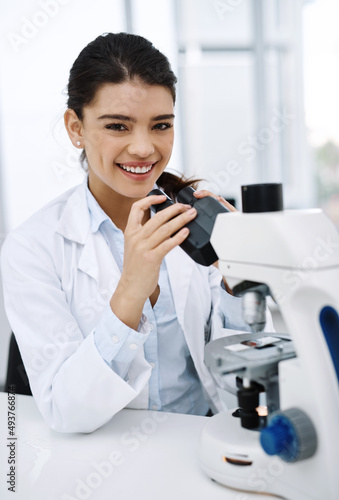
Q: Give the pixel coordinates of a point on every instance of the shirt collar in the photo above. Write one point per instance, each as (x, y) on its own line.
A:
(96, 213)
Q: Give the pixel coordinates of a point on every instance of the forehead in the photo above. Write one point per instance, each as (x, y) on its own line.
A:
(132, 98)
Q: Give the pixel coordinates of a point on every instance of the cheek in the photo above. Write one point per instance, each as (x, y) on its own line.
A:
(103, 146)
(93, 143)
(167, 145)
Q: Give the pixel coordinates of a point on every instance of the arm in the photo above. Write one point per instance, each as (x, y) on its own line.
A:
(75, 390)
(145, 247)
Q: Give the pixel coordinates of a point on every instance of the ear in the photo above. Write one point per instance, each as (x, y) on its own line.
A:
(74, 127)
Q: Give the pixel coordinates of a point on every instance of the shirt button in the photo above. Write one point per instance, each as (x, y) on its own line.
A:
(151, 327)
(115, 339)
(152, 365)
(133, 346)
(155, 407)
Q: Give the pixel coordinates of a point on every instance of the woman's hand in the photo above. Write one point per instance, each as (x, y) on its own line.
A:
(201, 194)
(146, 244)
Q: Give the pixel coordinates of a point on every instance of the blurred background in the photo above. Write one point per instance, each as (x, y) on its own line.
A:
(257, 97)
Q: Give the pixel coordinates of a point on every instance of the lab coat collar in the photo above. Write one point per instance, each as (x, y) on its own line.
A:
(74, 223)
(97, 251)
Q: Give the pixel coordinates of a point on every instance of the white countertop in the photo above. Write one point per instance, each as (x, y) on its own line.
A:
(138, 454)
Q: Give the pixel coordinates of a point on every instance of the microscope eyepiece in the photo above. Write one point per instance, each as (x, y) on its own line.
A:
(185, 195)
(197, 245)
(262, 198)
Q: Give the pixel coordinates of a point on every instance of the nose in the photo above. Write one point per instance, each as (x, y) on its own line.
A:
(141, 145)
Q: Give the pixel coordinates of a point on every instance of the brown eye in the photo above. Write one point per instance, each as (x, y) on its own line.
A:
(119, 127)
(163, 126)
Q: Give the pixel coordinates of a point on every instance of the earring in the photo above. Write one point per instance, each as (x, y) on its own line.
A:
(78, 143)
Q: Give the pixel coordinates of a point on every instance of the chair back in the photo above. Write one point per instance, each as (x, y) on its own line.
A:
(16, 380)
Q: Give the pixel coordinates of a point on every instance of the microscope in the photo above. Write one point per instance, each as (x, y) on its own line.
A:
(283, 439)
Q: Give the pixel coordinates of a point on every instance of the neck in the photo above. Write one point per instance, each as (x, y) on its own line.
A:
(114, 204)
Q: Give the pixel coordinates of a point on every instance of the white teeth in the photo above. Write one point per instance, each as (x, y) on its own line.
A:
(136, 170)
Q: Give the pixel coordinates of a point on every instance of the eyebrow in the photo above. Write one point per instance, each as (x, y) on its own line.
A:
(130, 119)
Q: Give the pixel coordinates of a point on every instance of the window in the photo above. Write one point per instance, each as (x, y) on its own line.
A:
(241, 91)
(321, 56)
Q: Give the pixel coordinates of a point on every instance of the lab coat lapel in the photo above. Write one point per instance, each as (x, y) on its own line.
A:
(180, 267)
(74, 225)
(74, 222)
(97, 261)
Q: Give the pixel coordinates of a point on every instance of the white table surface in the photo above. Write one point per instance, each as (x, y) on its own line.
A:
(152, 455)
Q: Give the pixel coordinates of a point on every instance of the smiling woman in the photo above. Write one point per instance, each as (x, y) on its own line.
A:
(127, 92)
(121, 58)
(127, 134)
(108, 311)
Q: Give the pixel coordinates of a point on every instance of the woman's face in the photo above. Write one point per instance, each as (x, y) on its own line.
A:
(128, 137)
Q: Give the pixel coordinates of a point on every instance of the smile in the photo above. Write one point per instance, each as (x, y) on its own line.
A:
(137, 169)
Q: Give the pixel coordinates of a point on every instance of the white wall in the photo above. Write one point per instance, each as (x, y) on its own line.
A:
(156, 20)
(39, 41)
(37, 158)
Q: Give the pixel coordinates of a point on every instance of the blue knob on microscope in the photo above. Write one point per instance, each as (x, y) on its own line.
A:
(277, 437)
(290, 435)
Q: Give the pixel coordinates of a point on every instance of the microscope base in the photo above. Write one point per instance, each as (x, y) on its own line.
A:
(232, 456)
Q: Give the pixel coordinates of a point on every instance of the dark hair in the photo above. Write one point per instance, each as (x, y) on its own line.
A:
(118, 58)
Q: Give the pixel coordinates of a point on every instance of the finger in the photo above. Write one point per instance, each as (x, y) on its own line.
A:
(170, 228)
(204, 192)
(166, 246)
(163, 217)
(139, 208)
(228, 205)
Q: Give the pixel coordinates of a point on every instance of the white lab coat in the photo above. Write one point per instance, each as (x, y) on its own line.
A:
(58, 277)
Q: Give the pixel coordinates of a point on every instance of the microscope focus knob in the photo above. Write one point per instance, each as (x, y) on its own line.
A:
(290, 434)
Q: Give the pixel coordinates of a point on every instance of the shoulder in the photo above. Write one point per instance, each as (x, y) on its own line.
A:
(41, 227)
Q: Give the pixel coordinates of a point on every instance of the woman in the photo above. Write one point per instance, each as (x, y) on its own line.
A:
(107, 309)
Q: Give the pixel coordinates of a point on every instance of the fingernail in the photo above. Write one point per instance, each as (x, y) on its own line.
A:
(192, 211)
